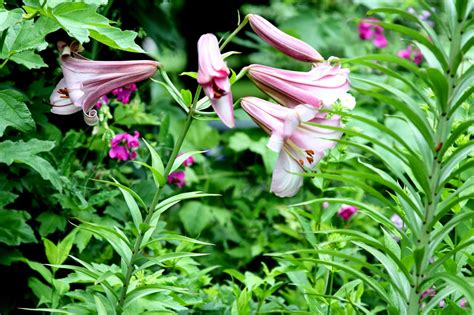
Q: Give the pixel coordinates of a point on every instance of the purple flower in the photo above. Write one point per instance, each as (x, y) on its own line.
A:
(462, 303)
(123, 93)
(370, 31)
(347, 211)
(442, 303)
(430, 292)
(103, 100)
(418, 56)
(397, 221)
(407, 54)
(177, 178)
(122, 146)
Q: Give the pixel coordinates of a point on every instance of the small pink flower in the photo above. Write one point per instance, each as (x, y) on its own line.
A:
(177, 178)
(442, 303)
(430, 292)
(325, 205)
(101, 101)
(418, 56)
(405, 53)
(374, 32)
(123, 93)
(397, 221)
(189, 161)
(463, 303)
(347, 211)
(123, 145)
(380, 41)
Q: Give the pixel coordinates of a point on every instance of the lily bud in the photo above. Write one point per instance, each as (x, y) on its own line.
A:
(285, 43)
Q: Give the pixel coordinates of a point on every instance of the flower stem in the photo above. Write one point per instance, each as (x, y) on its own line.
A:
(234, 33)
(137, 248)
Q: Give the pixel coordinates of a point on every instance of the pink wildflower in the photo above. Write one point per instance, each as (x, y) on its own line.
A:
(397, 221)
(177, 178)
(463, 303)
(325, 205)
(347, 211)
(407, 54)
(189, 161)
(418, 56)
(429, 292)
(101, 101)
(374, 32)
(122, 146)
(123, 93)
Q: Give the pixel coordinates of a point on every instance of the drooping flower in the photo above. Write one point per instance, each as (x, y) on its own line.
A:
(123, 93)
(321, 86)
(347, 211)
(285, 43)
(213, 75)
(85, 81)
(101, 101)
(374, 32)
(122, 146)
(177, 178)
(300, 145)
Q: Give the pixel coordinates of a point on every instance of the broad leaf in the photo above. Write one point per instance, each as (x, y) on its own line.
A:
(13, 228)
(14, 112)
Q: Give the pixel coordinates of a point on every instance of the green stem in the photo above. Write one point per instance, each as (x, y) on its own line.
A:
(234, 33)
(138, 242)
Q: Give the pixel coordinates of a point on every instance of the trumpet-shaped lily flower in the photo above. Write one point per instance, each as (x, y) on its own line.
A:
(321, 86)
(285, 43)
(85, 81)
(213, 75)
(300, 145)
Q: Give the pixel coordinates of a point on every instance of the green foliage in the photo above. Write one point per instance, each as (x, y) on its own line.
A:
(15, 112)
(13, 228)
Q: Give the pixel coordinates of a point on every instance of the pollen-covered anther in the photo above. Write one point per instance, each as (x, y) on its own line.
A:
(310, 153)
(301, 162)
(310, 159)
(64, 93)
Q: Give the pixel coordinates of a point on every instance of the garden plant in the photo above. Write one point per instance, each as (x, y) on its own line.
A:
(309, 157)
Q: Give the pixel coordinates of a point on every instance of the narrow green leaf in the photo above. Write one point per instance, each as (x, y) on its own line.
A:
(130, 191)
(183, 157)
(132, 206)
(65, 246)
(460, 283)
(100, 308)
(459, 155)
(157, 164)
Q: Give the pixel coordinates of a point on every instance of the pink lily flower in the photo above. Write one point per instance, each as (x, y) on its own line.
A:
(285, 43)
(321, 86)
(299, 145)
(85, 81)
(213, 75)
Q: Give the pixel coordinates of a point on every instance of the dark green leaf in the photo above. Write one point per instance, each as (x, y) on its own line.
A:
(13, 228)
(14, 112)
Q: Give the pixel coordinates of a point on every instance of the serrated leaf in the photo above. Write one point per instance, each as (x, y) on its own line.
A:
(9, 18)
(14, 111)
(50, 222)
(29, 59)
(13, 228)
(26, 153)
(195, 217)
(81, 21)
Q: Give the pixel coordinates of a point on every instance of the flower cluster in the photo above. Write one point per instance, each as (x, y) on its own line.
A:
(123, 146)
(370, 31)
(179, 177)
(123, 93)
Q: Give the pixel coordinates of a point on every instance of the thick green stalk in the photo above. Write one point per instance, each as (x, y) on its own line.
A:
(138, 242)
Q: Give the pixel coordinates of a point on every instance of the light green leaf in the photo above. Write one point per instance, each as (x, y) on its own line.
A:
(52, 251)
(9, 18)
(187, 96)
(50, 222)
(132, 206)
(65, 246)
(13, 227)
(157, 164)
(81, 21)
(26, 153)
(99, 306)
(183, 157)
(29, 59)
(14, 112)
(195, 217)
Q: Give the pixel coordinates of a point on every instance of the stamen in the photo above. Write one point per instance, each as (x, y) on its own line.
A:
(301, 162)
(310, 159)
(309, 152)
(218, 92)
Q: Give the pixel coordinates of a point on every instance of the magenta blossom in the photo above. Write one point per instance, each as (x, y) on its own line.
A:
(408, 52)
(429, 292)
(189, 161)
(213, 76)
(463, 303)
(177, 178)
(103, 100)
(123, 93)
(374, 32)
(299, 144)
(285, 43)
(85, 81)
(347, 211)
(123, 145)
(323, 85)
